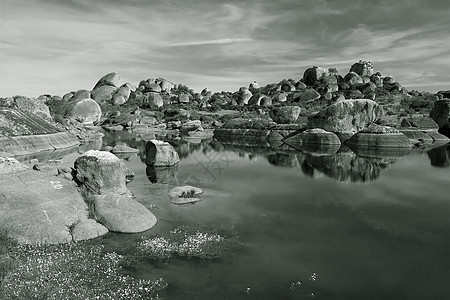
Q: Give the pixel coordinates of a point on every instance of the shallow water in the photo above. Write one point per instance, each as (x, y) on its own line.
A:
(315, 226)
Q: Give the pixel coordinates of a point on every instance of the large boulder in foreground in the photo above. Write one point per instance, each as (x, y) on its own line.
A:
(83, 110)
(38, 208)
(103, 175)
(160, 154)
(121, 213)
(101, 172)
(347, 116)
(285, 114)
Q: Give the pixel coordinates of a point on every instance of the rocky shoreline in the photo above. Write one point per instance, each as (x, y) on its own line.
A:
(319, 113)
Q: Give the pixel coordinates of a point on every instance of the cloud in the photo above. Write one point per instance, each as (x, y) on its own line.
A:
(210, 42)
(56, 46)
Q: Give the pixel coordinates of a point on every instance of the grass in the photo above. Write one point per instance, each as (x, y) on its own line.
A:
(188, 194)
(191, 241)
(68, 271)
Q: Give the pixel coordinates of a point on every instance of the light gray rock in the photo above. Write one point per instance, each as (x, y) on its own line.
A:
(104, 94)
(101, 172)
(285, 114)
(83, 110)
(120, 213)
(111, 79)
(160, 154)
(36, 208)
(347, 116)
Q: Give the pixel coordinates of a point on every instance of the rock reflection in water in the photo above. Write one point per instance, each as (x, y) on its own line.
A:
(284, 160)
(440, 157)
(347, 166)
(163, 175)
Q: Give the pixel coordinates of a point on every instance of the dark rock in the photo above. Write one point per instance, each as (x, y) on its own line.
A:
(352, 79)
(440, 113)
(314, 74)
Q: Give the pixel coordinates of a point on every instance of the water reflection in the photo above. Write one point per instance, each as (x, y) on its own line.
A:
(358, 165)
(440, 157)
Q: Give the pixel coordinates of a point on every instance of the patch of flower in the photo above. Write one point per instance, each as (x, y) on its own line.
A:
(73, 271)
(199, 241)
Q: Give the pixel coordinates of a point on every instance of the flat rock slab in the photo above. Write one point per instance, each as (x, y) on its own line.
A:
(36, 208)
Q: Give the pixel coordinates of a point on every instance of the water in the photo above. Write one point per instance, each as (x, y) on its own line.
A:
(315, 227)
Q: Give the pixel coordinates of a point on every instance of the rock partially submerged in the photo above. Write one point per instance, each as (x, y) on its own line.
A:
(160, 154)
(110, 203)
(380, 137)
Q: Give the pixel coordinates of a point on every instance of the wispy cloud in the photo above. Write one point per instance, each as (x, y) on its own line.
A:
(210, 42)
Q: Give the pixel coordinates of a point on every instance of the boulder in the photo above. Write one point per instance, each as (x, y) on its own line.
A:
(285, 114)
(287, 87)
(331, 83)
(11, 165)
(309, 94)
(122, 95)
(183, 98)
(37, 107)
(160, 154)
(37, 208)
(352, 79)
(83, 110)
(347, 116)
(440, 113)
(362, 68)
(80, 94)
(265, 101)
(153, 87)
(101, 172)
(279, 97)
(422, 122)
(313, 136)
(191, 125)
(120, 213)
(111, 79)
(155, 99)
(103, 94)
(244, 97)
(119, 149)
(376, 136)
(314, 74)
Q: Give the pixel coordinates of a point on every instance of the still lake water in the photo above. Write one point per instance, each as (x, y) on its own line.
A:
(315, 226)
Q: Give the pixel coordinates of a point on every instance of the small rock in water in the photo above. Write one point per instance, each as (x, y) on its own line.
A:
(184, 194)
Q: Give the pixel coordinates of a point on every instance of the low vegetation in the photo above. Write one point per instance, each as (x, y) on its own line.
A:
(69, 271)
(191, 241)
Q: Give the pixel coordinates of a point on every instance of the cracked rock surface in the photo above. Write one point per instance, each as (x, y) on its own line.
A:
(38, 208)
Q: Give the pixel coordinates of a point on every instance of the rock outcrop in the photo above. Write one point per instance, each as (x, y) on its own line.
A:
(103, 176)
(440, 113)
(39, 208)
(285, 114)
(347, 116)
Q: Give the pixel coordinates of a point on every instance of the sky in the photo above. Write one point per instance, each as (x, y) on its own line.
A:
(58, 46)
